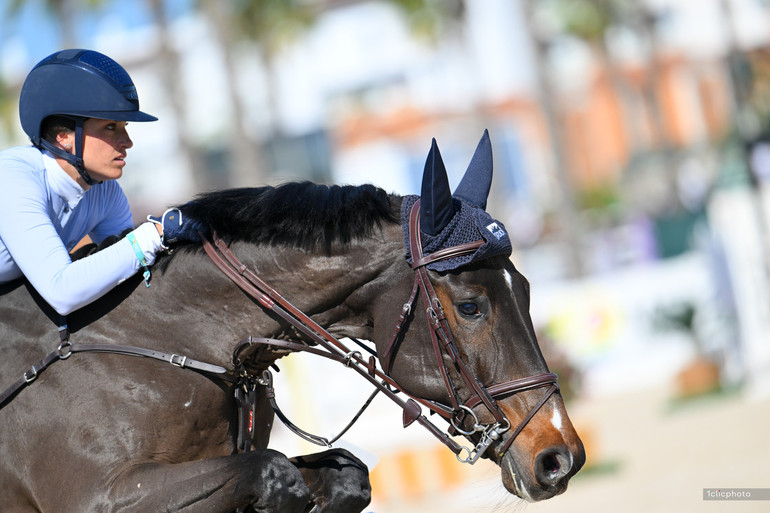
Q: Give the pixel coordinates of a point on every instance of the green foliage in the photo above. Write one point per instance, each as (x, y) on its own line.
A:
(14, 6)
(590, 20)
(427, 19)
(679, 317)
(272, 23)
(7, 107)
(600, 197)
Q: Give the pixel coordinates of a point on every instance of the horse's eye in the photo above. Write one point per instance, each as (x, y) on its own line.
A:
(469, 309)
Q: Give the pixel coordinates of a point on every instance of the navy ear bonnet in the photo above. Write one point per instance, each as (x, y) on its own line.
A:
(450, 220)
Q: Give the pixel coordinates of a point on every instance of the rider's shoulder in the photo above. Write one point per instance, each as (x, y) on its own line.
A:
(22, 169)
(21, 157)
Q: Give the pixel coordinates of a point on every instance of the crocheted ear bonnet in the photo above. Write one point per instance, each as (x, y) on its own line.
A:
(448, 220)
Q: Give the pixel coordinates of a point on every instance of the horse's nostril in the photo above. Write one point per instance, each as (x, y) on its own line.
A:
(552, 465)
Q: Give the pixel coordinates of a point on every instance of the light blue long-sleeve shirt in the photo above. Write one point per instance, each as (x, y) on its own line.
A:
(44, 213)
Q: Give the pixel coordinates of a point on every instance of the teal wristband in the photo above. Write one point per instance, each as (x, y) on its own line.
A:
(140, 256)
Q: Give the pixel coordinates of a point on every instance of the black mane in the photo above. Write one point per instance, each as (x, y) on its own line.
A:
(297, 214)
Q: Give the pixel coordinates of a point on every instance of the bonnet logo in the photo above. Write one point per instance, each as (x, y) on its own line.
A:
(496, 230)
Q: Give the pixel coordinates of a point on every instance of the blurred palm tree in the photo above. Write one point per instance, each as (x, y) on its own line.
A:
(262, 26)
(569, 225)
(593, 21)
(170, 66)
(65, 11)
(269, 26)
(7, 107)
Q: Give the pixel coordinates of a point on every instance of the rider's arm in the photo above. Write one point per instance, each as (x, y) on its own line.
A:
(27, 230)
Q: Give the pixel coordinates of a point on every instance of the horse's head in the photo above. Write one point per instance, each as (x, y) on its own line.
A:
(465, 345)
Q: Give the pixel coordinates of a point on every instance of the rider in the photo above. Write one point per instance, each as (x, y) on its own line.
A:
(74, 106)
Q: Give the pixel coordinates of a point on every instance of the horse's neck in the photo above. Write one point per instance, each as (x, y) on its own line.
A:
(194, 303)
(325, 286)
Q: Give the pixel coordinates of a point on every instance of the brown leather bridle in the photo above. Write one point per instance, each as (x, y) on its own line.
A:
(459, 413)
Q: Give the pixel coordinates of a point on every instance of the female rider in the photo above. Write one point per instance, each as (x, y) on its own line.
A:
(74, 106)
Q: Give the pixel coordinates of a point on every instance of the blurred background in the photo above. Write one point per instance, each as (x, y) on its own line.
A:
(632, 160)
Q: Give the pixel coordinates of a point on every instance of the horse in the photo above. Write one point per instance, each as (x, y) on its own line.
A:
(102, 430)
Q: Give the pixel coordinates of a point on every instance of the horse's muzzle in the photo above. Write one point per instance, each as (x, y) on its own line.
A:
(548, 476)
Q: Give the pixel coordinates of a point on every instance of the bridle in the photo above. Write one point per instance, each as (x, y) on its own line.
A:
(441, 336)
(458, 411)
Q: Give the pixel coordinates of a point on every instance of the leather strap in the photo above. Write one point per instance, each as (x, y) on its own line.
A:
(66, 350)
(442, 254)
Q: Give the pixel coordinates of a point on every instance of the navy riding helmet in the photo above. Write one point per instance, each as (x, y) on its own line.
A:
(77, 84)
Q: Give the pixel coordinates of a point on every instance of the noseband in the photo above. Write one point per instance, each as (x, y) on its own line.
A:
(459, 413)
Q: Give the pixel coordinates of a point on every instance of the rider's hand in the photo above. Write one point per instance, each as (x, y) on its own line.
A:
(174, 229)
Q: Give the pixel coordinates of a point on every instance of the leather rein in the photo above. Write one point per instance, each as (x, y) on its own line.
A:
(459, 413)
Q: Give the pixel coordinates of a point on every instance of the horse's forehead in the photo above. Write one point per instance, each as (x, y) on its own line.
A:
(494, 274)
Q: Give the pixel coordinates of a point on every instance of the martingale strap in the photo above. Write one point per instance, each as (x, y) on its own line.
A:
(67, 349)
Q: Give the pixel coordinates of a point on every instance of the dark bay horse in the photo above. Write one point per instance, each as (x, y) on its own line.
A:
(102, 432)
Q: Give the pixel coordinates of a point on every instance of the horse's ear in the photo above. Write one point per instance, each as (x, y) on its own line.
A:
(436, 206)
(475, 185)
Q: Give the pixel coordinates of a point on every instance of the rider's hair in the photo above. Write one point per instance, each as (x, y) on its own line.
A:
(54, 125)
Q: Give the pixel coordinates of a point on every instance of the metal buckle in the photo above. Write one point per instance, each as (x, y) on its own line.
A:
(433, 318)
(30, 375)
(178, 360)
(266, 380)
(439, 309)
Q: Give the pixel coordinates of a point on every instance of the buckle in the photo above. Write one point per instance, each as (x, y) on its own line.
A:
(178, 360)
(30, 375)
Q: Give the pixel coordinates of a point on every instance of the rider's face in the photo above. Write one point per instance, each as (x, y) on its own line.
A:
(105, 143)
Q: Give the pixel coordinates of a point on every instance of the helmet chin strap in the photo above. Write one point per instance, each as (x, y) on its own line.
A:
(76, 159)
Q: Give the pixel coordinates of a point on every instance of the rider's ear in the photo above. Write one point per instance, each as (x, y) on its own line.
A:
(436, 206)
(65, 139)
(475, 185)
